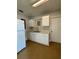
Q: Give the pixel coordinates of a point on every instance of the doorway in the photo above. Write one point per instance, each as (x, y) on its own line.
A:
(55, 29)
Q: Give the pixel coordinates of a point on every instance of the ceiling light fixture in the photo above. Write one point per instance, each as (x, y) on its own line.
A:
(39, 3)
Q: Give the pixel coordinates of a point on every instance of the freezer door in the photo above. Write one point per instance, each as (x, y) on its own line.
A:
(20, 25)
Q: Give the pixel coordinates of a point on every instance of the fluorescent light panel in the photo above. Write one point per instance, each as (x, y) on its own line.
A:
(39, 3)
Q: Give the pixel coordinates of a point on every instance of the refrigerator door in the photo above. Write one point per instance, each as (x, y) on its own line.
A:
(20, 25)
(20, 40)
(20, 36)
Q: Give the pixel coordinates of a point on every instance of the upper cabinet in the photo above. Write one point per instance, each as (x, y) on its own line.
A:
(40, 21)
(32, 22)
(45, 20)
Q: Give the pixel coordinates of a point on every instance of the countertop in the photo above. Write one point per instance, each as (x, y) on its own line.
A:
(40, 32)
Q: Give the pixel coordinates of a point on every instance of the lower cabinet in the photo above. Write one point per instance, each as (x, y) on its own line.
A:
(40, 38)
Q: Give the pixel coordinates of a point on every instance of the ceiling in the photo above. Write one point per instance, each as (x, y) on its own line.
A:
(28, 10)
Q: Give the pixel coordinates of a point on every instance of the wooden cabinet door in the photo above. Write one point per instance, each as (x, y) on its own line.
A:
(45, 20)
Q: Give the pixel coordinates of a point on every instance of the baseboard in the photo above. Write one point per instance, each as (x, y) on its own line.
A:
(38, 43)
(54, 42)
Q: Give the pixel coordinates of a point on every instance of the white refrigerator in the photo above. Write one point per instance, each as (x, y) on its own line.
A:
(20, 35)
